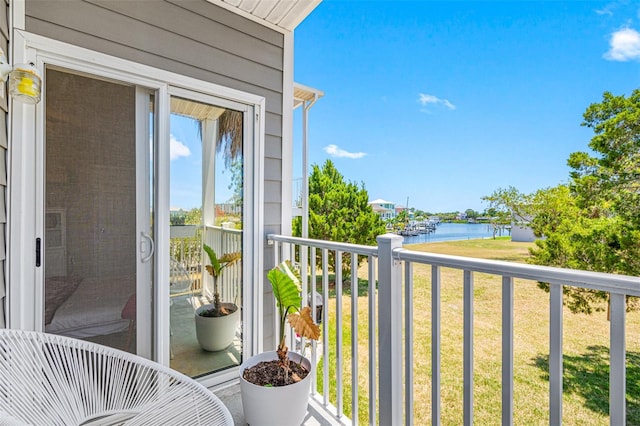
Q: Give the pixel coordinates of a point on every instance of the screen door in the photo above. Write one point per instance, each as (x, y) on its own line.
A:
(98, 244)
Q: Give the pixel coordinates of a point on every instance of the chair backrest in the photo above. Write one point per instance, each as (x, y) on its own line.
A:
(179, 278)
(47, 379)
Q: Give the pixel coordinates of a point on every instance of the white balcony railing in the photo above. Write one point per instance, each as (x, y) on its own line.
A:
(223, 240)
(186, 248)
(390, 341)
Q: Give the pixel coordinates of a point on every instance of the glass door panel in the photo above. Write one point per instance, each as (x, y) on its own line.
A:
(206, 193)
(92, 260)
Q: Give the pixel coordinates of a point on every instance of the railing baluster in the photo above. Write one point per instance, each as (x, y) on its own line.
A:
(354, 339)
(304, 274)
(372, 341)
(435, 345)
(314, 310)
(408, 348)
(468, 348)
(338, 288)
(276, 261)
(555, 355)
(291, 336)
(617, 359)
(507, 351)
(325, 327)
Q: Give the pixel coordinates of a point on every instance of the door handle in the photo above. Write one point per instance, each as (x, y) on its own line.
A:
(152, 247)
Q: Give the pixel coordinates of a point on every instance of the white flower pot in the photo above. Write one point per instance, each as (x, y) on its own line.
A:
(216, 333)
(275, 406)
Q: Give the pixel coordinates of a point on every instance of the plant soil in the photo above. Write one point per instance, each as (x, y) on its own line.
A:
(271, 373)
(222, 312)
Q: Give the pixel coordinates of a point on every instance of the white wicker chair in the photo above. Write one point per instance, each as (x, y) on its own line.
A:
(47, 379)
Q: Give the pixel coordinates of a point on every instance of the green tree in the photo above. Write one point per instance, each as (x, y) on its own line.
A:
(401, 220)
(339, 211)
(594, 222)
(237, 182)
(508, 205)
(471, 213)
(193, 217)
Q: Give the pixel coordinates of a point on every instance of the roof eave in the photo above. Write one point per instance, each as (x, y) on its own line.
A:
(279, 15)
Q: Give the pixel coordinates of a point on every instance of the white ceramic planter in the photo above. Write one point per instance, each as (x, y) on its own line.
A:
(275, 406)
(215, 334)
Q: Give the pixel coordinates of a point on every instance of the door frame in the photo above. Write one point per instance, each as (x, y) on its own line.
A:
(26, 183)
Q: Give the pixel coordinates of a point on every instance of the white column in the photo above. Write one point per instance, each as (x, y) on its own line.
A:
(209, 130)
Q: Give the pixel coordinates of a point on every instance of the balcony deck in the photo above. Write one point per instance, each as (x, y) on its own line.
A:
(316, 415)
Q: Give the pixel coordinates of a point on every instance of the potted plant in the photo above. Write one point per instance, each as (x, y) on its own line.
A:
(216, 322)
(275, 385)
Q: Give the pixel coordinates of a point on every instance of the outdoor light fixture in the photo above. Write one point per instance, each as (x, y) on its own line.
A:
(24, 80)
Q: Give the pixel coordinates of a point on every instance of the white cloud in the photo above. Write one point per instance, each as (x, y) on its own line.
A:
(448, 104)
(607, 10)
(178, 149)
(624, 46)
(334, 151)
(425, 100)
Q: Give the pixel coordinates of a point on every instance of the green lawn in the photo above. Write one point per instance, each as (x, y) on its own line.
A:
(586, 342)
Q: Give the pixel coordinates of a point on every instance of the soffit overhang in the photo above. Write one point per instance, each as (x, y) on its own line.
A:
(302, 94)
(280, 15)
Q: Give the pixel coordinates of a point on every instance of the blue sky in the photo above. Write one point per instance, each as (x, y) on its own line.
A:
(444, 102)
(186, 167)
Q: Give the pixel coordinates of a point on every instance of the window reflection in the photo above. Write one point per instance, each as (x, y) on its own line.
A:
(206, 192)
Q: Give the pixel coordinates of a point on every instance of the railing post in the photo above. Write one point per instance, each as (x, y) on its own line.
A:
(555, 355)
(618, 354)
(389, 330)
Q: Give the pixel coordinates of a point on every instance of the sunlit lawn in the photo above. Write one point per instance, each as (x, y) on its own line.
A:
(585, 344)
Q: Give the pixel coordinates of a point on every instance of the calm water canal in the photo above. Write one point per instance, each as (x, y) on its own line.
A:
(453, 231)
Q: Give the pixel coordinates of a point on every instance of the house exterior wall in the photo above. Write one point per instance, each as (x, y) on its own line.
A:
(4, 38)
(521, 233)
(192, 38)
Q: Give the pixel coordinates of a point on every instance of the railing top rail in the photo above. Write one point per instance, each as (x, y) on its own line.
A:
(613, 283)
(222, 228)
(595, 280)
(330, 245)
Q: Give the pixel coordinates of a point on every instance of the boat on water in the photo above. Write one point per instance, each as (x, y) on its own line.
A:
(415, 228)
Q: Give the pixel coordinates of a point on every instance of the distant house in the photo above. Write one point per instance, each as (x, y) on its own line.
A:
(521, 230)
(386, 209)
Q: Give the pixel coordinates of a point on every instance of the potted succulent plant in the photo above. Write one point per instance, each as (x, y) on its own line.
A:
(275, 385)
(216, 322)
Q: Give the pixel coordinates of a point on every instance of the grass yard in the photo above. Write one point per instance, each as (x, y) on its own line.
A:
(585, 343)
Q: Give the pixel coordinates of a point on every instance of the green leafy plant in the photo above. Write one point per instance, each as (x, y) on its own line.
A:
(286, 290)
(215, 268)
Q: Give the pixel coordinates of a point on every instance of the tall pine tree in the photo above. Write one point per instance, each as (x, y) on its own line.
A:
(339, 211)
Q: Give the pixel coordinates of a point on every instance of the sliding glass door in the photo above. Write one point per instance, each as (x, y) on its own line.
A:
(206, 216)
(99, 244)
(134, 185)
